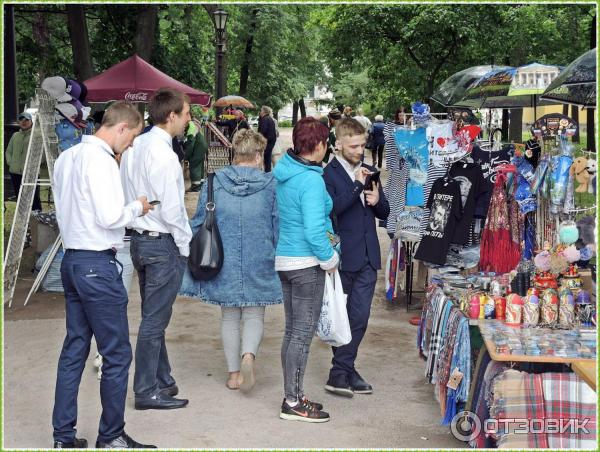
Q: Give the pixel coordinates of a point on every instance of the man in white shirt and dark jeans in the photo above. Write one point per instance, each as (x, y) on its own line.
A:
(92, 215)
(159, 243)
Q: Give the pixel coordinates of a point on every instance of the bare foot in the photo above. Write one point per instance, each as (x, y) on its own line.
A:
(247, 373)
(234, 380)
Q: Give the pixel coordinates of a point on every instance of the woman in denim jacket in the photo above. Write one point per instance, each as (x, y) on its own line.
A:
(303, 255)
(246, 213)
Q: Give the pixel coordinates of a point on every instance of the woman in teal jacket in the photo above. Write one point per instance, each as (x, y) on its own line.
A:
(304, 253)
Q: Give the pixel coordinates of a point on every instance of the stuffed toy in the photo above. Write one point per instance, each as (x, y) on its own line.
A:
(582, 176)
(591, 169)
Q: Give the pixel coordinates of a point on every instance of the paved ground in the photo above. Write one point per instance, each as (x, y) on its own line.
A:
(402, 411)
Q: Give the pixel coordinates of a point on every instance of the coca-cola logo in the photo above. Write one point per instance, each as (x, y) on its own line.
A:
(136, 96)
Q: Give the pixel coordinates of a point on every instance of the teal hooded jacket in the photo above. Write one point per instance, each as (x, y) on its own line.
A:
(304, 208)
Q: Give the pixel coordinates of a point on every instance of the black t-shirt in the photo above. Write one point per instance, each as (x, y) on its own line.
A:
(488, 161)
(445, 210)
(472, 187)
(532, 152)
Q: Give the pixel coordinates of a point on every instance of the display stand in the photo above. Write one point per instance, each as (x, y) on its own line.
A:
(410, 247)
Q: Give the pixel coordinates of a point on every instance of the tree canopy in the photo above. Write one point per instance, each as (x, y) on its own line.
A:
(376, 56)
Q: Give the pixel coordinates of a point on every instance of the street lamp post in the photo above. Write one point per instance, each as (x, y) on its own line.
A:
(220, 20)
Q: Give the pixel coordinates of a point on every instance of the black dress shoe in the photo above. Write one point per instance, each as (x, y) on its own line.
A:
(172, 390)
(359, 385)
(339, 385)
(78, 443)
(160, 401)
(123, 442)
(195, 188)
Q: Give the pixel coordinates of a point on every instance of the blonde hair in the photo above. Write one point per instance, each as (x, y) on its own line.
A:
(268, 111)
(246, 144)
(122, 111)
(348, 127)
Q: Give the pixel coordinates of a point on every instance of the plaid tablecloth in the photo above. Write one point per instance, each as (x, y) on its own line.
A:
(569, 398)
(518, 395)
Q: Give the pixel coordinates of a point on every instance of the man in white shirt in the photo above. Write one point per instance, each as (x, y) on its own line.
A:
(92, 215)
(159, 244)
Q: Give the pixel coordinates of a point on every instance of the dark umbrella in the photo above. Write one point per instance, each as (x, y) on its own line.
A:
(453, 88)
(575, 85)
(510, 87)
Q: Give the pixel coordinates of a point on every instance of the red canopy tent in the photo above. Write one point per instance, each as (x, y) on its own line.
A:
(136, 80)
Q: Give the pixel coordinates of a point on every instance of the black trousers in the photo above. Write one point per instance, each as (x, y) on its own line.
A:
(378, 155)
(16, 181)
(359, 287)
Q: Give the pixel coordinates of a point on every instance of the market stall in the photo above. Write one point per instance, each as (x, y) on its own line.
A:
(506, 233)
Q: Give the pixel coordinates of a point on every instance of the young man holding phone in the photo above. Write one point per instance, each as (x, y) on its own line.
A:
(159, 244)
(357, 200)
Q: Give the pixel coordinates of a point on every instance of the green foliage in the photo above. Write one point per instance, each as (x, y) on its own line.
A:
(284, 63)
(376, 56)
(406, 51)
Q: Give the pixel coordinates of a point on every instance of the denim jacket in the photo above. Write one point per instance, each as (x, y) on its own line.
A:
(247, 217)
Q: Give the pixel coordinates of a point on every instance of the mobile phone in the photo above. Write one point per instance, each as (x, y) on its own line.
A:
(154, 203)
(371, 178)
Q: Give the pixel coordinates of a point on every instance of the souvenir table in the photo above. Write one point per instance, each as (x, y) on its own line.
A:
(587, 371)
(541, 345)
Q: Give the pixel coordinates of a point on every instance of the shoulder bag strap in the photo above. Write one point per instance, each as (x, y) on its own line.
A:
(210, 203)
(211, 199)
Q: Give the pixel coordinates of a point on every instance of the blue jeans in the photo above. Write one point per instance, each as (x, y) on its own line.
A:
(359, 287)
(160, 270)
(96, 304)
(302, 300)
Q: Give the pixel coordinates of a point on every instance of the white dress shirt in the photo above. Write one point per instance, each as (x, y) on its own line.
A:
(90, 205)
(151, 168)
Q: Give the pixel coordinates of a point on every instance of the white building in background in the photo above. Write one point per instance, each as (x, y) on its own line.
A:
(313, 102)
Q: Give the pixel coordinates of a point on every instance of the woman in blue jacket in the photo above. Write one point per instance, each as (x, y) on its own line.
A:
(246, 213)
(303, 254)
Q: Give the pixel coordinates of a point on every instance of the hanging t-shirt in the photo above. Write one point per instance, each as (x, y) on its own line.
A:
(488, 161)
(445, 206)
(412, 145)
(472, 187)
(395, 189)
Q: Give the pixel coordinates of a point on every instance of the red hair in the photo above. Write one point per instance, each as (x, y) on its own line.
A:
(307, 134)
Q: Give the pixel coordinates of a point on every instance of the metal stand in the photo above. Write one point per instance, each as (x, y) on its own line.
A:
(43, 141)
(410, 248)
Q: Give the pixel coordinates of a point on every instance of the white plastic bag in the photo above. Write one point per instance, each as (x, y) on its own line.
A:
(334, 327)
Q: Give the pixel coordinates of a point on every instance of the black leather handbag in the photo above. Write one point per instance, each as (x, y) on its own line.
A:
(206, 248)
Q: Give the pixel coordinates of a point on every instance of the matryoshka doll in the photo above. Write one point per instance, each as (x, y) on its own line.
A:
(566, 312)
(549, 307)
(531, 307)
(514, 307)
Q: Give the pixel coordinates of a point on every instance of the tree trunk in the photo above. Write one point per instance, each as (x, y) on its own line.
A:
(575, 117)
(591, 134)
(516, 125)
(80, 42)
(294, 113)
(41, 36)
(302, 108)
(145, 35)
(245, 69)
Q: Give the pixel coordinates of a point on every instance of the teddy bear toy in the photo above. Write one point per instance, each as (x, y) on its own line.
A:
(582, 176)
